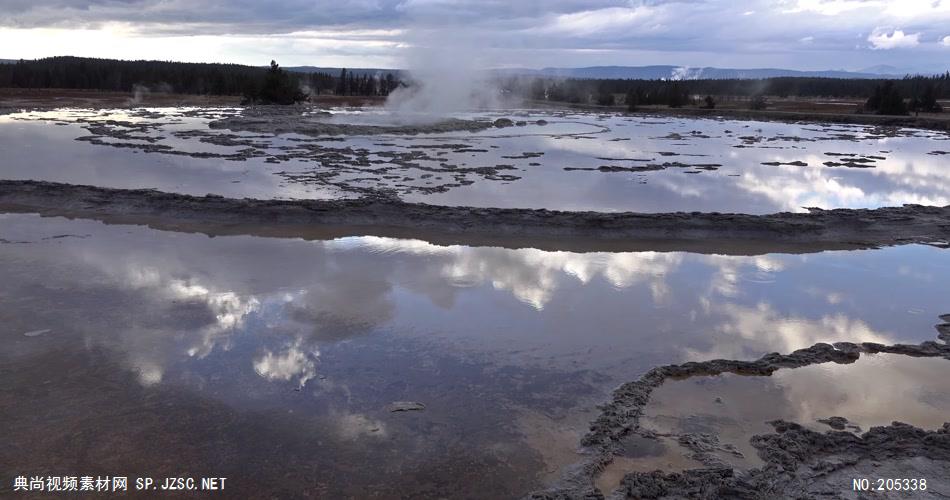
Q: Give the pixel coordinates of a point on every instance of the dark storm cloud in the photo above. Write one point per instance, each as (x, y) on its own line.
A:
(248, 16)
(799, 33)
(238, 16)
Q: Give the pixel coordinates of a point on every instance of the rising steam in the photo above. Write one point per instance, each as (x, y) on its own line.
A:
(447, 73)
(141, 92)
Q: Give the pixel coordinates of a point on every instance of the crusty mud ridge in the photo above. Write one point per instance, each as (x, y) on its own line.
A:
(821, 465)
(380, 214)
(303, 120)
(799, 463)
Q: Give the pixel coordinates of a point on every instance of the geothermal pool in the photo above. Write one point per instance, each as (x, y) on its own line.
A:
(574, 161)
(278, 362)
(409, 367)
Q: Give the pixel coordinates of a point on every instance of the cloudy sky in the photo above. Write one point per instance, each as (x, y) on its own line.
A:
(796, 34)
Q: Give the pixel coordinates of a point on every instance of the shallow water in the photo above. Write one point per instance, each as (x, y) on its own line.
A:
(578, 161)
(874, 391)
(274, 361)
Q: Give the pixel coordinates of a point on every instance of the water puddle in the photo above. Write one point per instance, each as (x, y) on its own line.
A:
(710, 421)
(280, 362)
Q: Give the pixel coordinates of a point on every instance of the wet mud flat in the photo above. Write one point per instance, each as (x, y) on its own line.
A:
(839, 228)
(303, 121)
(792, 461)
(350, 162)
(939, 123)
(555, 160)
(13, 100)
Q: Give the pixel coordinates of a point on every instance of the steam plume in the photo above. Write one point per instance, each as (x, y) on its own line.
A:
(447, 72)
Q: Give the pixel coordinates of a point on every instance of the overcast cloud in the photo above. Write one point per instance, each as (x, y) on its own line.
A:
(797, 34)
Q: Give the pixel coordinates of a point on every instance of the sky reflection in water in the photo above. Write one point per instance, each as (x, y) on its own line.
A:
(905, 166)
(509, 349)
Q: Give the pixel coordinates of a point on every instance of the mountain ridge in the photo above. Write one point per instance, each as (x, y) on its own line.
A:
(651, 72)
(670, 72)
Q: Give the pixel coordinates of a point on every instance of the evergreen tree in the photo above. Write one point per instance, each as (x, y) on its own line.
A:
(341, 83)
(605, 97)
(758, 102)
(927, 101)
(676, 96)
(886, 100)
(390, 84)
(632, 99)
(278, 87)
(538, 92)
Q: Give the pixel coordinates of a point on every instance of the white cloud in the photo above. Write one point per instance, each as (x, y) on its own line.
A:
(597, 21)
(831, 7)
(882, 40)
(922, 10)
(807, 39)
(533, 276)
(946, 41)
(293, 363)
(762, 327)
(377, 33)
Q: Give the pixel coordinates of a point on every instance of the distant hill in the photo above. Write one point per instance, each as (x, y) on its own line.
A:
(658, 72)
(666, 72)
(336, 71)
(884, 69)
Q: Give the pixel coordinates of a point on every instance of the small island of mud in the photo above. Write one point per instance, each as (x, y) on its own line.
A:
(386, 215)
(304, 121)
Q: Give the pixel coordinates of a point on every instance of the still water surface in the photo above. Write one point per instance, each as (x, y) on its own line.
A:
(275, 362)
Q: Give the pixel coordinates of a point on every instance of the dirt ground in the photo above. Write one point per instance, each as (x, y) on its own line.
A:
(67, 98)
(11, 98)
(779, 108)
(386, 216)
(790, 109)
(830, 105)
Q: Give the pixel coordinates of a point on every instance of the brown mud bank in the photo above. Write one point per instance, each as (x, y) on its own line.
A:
(788, 114)
(380, 214)
(14, 100)
(921, 122)
(802, 463)
(797, 462)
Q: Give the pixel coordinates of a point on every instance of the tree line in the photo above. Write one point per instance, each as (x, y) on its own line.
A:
(583, 89)
(274, 84)
(915, 92)
(185, 78)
